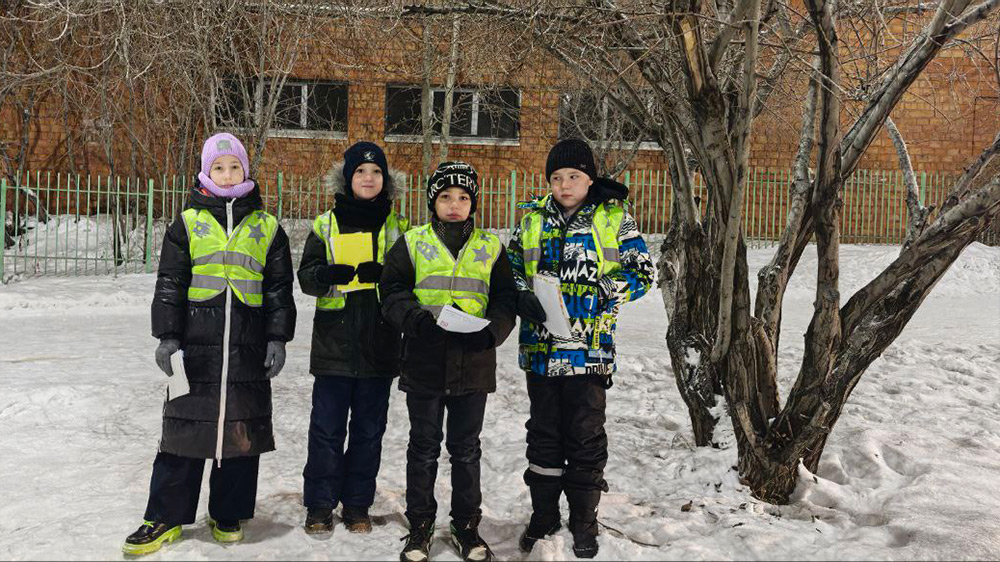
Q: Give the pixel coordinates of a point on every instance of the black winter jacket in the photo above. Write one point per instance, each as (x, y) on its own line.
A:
(445, 366)
(190, 422)
(355, 341)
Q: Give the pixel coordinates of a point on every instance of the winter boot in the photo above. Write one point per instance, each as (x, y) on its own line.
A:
(536, 531)
(150, 537)
(418, 542)
(226, 531)
(356, 519)
(471, 546)
(319, 520)
(545, 517)
(583, 521)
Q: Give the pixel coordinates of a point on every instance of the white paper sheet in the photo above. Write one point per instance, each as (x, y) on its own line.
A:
(549, 293)
(177, 384)
(454, 320)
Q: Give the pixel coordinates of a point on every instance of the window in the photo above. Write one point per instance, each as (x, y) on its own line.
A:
(597, 120)
(476, 114)
(301, 106)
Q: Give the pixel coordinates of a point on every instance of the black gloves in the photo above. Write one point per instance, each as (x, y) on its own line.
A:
(369, 272)
(163, 352)
(477, 341)
(335, 274)
(528, 307)
(426, 328)
(275, 358)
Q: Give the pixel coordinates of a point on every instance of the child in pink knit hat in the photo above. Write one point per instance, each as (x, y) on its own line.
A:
(222, 309)
(225, 166)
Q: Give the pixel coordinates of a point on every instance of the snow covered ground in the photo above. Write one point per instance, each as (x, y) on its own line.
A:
(910, 472)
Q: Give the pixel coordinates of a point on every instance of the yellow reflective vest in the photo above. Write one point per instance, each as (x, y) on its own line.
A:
(607, 222)
(442, 279)
(325, 226)
(219, 260)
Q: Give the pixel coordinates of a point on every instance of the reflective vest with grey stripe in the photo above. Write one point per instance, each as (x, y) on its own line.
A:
(237, 260)
(606, 223)
(325, 226)
(442, 279)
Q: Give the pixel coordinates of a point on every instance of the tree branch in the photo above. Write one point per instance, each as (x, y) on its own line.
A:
(917, 214)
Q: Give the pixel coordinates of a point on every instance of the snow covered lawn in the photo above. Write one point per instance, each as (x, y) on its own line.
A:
(910, 472)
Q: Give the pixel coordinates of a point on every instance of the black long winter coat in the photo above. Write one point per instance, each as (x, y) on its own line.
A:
(190, 422)
(355, 341)
(445, 366)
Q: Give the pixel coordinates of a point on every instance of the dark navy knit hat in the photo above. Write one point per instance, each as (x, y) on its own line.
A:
(360, 153)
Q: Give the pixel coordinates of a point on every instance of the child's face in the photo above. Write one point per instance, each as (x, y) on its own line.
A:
(570, 187)
(453, 205)
(227, 171)
(366, 183)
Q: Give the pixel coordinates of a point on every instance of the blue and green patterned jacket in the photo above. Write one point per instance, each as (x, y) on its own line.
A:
(569, 252)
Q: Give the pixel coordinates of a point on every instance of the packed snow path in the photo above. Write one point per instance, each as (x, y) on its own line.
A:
(910, 471)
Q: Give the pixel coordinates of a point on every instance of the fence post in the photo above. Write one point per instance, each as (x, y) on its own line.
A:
(923, 188)
(3, 231)
(281, 180)
(149, 226)
(512, 204)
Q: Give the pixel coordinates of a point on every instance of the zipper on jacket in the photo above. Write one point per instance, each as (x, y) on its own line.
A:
(224, 380)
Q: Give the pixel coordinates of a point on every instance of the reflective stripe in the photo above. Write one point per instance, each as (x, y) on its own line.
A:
(611, 254)
(226, 257)
(445, 283)
(532, 254)
(209, 282)
(434, 308)
(218, 284)
(545, 471)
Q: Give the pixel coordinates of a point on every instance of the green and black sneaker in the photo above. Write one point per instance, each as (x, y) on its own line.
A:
(226, 531)
(149, 538)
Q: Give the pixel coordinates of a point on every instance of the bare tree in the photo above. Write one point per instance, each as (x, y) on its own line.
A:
(712, 68)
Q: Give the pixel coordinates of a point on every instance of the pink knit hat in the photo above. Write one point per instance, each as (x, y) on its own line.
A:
(222, 144)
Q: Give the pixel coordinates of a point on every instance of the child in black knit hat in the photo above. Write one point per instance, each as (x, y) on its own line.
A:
(581, 234)
(355, 352)
(447, 375)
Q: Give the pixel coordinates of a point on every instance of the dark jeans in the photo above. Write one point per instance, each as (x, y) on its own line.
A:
(567, 444)
(176, 483)
(331, 475)
(464, 424)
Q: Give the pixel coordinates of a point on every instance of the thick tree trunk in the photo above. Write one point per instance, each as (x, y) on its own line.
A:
(684, 268)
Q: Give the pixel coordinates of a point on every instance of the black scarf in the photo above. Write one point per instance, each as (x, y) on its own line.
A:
(453, 234)
(367, 215)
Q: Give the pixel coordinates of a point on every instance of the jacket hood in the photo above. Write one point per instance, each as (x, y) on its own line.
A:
(334, 182)
(606, 189)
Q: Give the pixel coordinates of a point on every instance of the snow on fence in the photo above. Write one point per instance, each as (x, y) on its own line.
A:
(59, 224)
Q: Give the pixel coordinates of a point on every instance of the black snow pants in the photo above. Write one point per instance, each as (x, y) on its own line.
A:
(567, 448)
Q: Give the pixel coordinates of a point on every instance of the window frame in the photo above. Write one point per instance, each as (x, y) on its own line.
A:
(603, 143)
(477, 94)
(305, 85)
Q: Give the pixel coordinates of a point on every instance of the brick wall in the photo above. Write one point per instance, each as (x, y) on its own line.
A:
(947, 117)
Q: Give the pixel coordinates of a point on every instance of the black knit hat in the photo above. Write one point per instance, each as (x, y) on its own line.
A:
(571, 153)
(360, 153)
(453, 174)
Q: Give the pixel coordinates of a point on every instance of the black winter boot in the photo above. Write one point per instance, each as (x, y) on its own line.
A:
(470, 545)
(356, 519)
(319, 520)
(583, 521)
(418, 542)
(545, 517)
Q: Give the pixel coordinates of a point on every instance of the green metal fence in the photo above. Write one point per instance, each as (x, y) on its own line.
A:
(59, 224)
